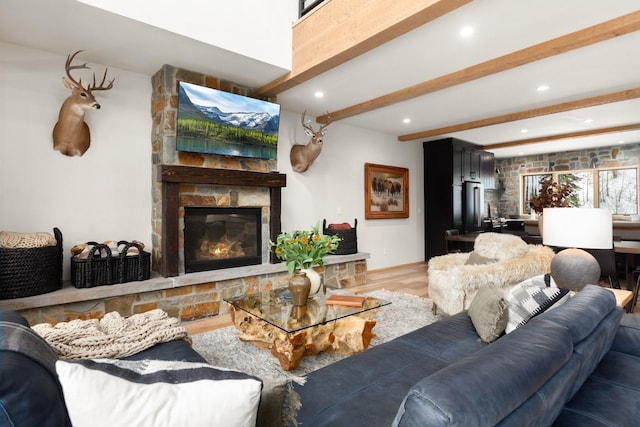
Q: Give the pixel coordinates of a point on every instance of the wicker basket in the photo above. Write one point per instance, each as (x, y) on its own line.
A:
(31, 271)
(133, 268)
(349, 243)
(97, 270)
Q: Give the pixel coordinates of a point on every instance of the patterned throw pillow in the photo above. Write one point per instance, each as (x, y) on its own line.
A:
(530, 298)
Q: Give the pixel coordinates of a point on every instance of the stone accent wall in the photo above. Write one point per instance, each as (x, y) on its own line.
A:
(164, 110)
(344, 275)
(512, 168)
(194, 301)
(186, 303)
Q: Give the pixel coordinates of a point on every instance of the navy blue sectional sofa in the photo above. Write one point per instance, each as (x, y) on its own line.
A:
(575, 365)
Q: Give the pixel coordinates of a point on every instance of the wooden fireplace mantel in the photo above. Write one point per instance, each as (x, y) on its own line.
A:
(172, 176)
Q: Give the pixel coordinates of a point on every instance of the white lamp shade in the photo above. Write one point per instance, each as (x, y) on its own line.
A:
(585, 228)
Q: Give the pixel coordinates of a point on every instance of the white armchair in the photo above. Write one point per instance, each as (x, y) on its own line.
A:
(501, 259)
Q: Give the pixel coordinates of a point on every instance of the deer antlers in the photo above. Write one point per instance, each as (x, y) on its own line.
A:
(68, 67)
(309, 130)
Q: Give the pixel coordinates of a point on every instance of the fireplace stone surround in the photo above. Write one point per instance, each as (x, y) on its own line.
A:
(172, 177)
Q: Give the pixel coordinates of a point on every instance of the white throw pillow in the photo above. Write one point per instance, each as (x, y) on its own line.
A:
(153, 393)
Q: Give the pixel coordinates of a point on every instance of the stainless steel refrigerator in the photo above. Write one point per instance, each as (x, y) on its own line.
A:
(472, 206)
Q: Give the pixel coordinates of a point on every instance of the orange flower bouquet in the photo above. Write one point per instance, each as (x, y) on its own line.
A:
(304, 248)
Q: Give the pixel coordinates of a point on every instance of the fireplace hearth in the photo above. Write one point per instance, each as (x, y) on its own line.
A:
(221, 237)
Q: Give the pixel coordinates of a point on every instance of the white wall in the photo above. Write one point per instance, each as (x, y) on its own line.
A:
(238, 26)
(103, 195)
(333, 188)
(106, 194)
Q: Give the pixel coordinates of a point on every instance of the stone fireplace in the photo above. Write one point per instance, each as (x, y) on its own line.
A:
(183, 186)
(184, 179)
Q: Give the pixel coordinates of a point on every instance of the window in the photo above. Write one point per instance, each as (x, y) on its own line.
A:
(530, 187)
(582, 184)
(614, 188)
(618, 190)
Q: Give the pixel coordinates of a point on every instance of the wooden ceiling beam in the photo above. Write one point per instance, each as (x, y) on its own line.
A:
(338, 31)
(597, 33)
(593, 101)
(568, 135)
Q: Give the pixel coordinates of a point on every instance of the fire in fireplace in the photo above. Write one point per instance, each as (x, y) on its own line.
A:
(218, 237)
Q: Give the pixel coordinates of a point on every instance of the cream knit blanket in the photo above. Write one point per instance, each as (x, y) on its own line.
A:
(12, 240)
(113, 336)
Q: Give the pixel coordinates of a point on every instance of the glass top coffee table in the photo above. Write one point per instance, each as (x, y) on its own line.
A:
(270, 320)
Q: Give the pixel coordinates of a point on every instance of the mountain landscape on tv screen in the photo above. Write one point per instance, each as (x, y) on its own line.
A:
(245, 120)
(208, 129)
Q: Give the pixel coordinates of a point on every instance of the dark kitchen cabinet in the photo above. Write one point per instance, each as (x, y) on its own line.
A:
(471, 167)
(457, 156)
(448, 163)
(487, 170)
(470, 163)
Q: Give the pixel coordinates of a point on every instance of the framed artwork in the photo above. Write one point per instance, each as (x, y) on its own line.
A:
(386, 192)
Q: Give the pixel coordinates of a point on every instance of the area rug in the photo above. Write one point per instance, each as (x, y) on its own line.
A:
(223, 347)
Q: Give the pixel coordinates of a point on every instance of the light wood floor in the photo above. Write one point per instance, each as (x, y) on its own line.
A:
(408, 279)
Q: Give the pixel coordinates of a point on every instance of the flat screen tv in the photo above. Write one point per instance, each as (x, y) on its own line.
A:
(217, 122)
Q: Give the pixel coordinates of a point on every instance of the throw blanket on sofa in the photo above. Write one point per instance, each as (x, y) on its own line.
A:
(113, 336)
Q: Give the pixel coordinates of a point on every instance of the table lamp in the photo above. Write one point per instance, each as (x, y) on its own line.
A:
(576, 229)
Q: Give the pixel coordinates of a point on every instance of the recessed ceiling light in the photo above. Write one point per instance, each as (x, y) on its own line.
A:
(406, 120)
(319, 94)
(543, 88)
(621, 141)
(588, 121)
(466, 31)
(524, 130)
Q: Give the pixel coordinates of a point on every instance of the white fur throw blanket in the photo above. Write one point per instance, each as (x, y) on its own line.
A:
(500, 246)
(113, 336)
(453, 284)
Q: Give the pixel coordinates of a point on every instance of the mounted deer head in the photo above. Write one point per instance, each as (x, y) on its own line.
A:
(302, 156)
(71, 134)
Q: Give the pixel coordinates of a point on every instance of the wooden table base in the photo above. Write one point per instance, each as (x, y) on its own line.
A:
(347, 335)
